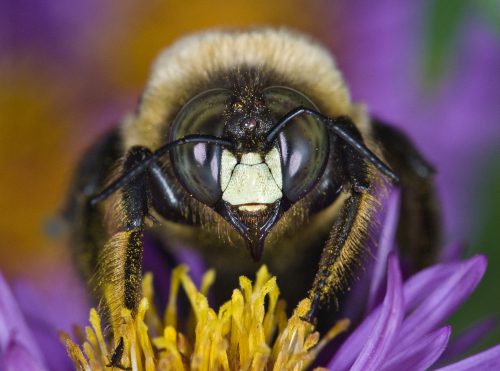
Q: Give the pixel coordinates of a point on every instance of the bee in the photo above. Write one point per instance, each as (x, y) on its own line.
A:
(246, 147)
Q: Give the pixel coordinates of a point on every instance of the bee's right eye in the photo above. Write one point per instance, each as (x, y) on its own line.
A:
(198, 165)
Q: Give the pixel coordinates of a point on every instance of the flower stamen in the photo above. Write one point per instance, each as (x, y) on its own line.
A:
(250, 331)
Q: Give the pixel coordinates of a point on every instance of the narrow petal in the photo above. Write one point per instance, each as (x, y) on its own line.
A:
(345, 356)
(385, 247)
(420, 355)
(484, 361)
(418, 286)
(469, 338)
(57, 301)
(351, 347)
(386, 329)
(17, 358)
(437, 304)
(13, 328)
(416, 291)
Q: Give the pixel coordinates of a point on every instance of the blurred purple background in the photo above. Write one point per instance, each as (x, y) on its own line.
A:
(70, 69)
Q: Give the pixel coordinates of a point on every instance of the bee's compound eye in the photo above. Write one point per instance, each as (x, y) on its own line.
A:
(303, 144)
(197, 165)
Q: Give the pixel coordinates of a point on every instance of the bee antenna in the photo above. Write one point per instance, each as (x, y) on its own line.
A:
(144, 165)
(338, 126)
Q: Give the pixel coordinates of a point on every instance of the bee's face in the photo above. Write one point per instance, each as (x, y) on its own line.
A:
(252, 184)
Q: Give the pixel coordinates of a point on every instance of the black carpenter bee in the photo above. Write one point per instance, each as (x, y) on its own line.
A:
(246, 147)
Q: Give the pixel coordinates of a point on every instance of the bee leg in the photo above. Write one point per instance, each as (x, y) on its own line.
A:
(343, 249)
(419, 224)
(120, 264)
(310, 316)
(349, 233)
(116, 358)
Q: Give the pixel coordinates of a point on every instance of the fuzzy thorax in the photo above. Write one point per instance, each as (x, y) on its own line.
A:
(197, 62)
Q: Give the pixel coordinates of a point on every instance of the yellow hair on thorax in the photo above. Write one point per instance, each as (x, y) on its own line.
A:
(191, 62)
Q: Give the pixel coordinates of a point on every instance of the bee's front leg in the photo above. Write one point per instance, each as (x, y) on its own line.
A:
(342, 252)
(119, 268)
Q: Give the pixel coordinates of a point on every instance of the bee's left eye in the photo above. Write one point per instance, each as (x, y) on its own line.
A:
(198, 165)
(303, 143)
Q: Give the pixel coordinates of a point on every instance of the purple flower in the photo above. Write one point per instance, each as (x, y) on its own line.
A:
(18, 348)
(31, 319)
(404, 330)
(403, 325)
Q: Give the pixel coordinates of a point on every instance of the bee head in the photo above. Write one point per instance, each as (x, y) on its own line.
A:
(255, 181)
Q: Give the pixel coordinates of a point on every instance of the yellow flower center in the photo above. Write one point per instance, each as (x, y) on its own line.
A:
(249, 332)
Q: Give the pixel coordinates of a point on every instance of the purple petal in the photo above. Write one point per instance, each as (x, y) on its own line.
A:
(385, 247)
(58, 298)
(436, 304)
(422, 354)
(17, 358)
(14, 333)
(57, 302)
(350, 348)
(469, 338)
(375, 347)
(484, 361)
(416, 291)
(426, 280)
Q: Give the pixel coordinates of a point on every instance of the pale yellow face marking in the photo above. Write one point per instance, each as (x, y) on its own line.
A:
(252, 208)
(251, 181)
(251, 158)
(228, 162)
(274, 163)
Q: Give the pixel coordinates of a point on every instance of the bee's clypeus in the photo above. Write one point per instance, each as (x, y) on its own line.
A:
(246, 147)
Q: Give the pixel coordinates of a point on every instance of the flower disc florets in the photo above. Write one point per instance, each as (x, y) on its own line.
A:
(250, 331)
